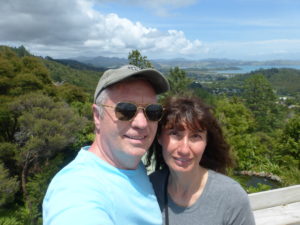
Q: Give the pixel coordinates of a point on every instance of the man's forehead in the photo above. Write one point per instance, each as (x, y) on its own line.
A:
(126, 84)
(135, 91)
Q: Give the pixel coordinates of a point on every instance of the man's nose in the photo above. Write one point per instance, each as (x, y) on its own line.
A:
(140, 119)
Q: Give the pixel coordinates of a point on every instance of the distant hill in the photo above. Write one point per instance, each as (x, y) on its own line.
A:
(76, 64)
(102, 62)
(61, 73)
(21, 72)
(165, 64)
(285, 81)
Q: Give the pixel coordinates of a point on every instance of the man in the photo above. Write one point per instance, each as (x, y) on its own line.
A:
(107, 183)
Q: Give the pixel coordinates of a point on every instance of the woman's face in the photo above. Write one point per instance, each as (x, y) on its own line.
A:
(182, 148)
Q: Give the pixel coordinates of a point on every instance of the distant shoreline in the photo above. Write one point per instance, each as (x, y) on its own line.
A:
(248, 69)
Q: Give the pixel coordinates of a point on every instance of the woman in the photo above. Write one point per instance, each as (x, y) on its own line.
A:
(191, 157)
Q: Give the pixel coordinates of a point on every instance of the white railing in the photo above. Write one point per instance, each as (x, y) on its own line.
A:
(277, 207)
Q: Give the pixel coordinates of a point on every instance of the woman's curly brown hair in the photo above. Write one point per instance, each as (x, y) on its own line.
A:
(195, 115)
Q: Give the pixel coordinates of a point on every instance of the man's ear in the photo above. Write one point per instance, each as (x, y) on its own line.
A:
(96, 116)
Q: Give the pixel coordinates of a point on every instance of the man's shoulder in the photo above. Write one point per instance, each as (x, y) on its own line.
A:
(82, 171)
(78, 165)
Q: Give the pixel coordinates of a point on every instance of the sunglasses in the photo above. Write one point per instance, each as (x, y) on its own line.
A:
(126, 111)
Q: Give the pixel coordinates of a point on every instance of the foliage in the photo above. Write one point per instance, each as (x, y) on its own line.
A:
(40, 125)
(285, 81)
(261, 99)
(20, 75)
(289, 143)
(135, 58)
(290, 175)
(61, 74)
(260, 187)
(8, 186)
(46, 116)
(8, 123)
(234, 116)
(44, 130)
(251, 150)
(71, 93)
(236, 122)
(38, 183)
(10, 221)
(203, 93)
(75, 64)
(179, 82)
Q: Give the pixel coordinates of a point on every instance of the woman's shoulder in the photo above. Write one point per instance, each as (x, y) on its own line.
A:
(158, 180)
(226, 184)
(158, 176)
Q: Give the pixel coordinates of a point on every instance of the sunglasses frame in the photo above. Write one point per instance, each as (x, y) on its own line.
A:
(137, 108)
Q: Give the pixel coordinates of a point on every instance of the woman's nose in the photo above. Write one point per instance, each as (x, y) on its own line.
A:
(184, 146)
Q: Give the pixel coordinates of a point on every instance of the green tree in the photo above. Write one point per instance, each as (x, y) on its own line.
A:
(45, 128)
(39, 130)
(21, 51)
(289, 143)
(179, 81)
(252, 150)
(71, 93)
(237, 122)
(24, 83)
(35, 66)
(8, 186)
(6, 67)
(8, 123)
(135, 58)
(262, 101)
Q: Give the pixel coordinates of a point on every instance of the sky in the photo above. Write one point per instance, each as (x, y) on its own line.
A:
(159, 29)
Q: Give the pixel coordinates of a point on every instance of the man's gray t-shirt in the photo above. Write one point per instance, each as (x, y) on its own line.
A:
(222, 202)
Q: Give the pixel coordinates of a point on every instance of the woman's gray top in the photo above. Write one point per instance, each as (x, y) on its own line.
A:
(222, 202)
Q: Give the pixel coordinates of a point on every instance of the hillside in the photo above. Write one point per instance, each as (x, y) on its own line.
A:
(285, 81)
(61, 73)
(102, 62)
(165, 64)
(76, 64)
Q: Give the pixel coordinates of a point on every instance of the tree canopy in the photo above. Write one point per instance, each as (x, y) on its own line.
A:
(135, 58)
(45, 117)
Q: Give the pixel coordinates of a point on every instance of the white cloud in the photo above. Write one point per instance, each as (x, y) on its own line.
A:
(71, 28)
(45, 28)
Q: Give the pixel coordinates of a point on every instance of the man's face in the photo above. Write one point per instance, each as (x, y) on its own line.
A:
(125, 142)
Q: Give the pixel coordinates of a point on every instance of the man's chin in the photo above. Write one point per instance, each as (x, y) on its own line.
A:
(138, 152)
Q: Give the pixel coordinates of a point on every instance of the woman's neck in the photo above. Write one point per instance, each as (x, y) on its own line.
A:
(186, 188)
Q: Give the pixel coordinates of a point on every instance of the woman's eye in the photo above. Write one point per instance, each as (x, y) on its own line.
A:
(198, 136)
(173, 132)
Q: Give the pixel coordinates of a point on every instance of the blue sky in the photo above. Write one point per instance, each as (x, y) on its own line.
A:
(235, 29)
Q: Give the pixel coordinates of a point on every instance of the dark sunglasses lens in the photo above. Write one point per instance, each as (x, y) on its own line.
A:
(125, 111)
(154, 112)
